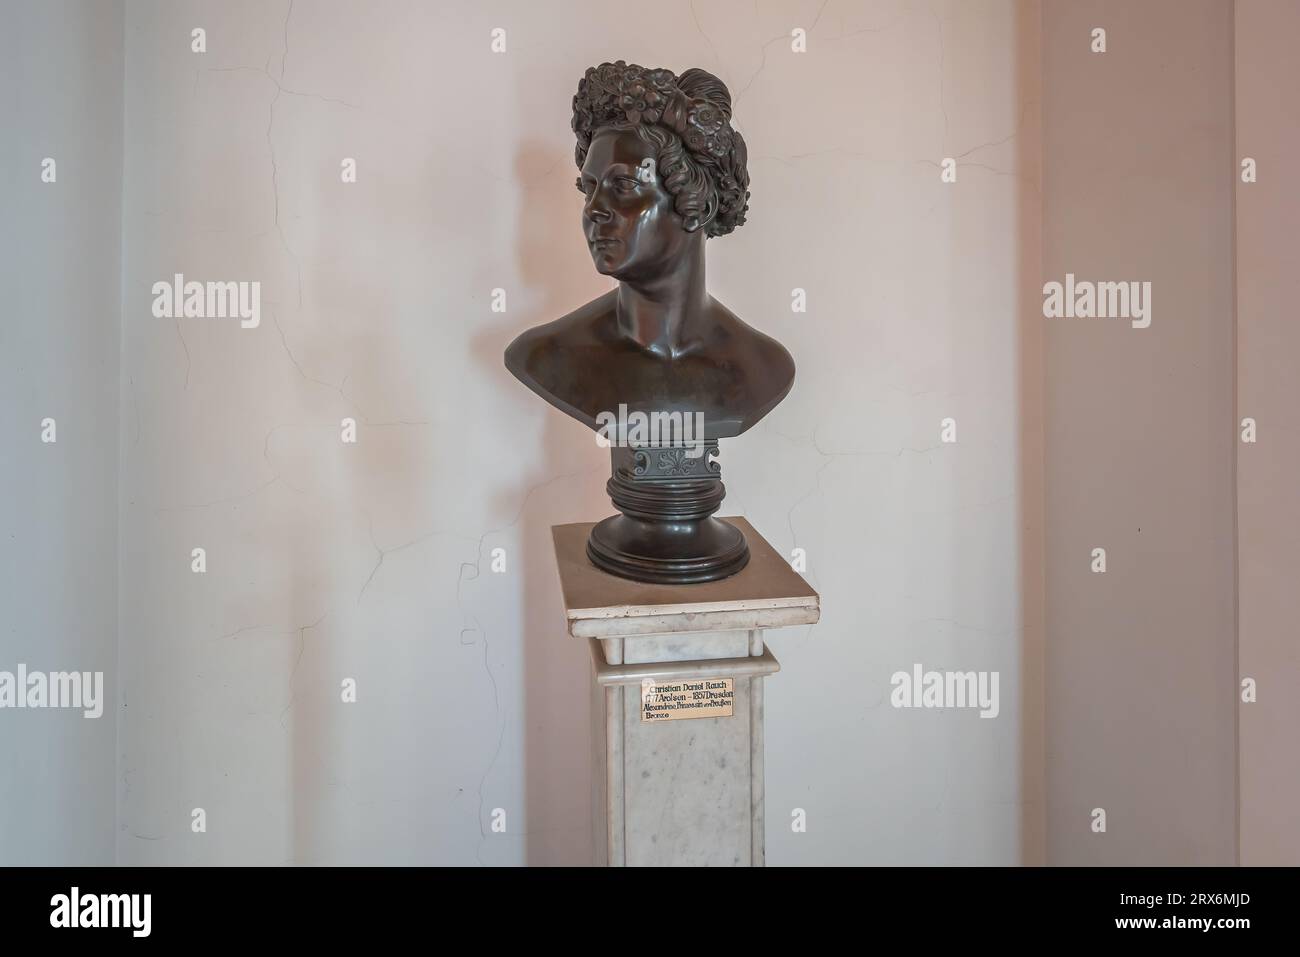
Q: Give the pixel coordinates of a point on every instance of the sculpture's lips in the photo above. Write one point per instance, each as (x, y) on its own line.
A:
(600, 243)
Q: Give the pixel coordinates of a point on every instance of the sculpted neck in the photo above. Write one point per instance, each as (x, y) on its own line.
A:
(662, 314)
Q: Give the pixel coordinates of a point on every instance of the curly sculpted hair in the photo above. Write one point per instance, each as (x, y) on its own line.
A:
(687, 118)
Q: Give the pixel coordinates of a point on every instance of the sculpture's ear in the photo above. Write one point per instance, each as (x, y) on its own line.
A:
(692, 223)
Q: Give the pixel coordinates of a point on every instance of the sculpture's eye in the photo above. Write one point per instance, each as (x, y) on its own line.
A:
(583, 187)
(625, 184)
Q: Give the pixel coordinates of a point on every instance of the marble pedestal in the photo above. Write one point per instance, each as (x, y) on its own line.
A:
(679, 781)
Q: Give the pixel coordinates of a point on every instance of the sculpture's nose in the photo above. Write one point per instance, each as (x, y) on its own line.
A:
(596, 209)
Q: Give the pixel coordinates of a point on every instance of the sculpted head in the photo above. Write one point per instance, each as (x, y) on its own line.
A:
(660, 166)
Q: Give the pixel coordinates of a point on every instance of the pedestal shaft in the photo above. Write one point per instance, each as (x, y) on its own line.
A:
(687, 791)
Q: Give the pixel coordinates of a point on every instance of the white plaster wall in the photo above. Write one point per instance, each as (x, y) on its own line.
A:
(371, 561)
(60, 258)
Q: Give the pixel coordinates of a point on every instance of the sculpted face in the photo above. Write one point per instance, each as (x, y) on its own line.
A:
(632, 230)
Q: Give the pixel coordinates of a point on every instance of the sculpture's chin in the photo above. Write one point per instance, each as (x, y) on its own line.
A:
(609, 260)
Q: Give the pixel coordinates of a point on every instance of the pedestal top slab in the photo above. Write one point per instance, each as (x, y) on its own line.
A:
(766, 593)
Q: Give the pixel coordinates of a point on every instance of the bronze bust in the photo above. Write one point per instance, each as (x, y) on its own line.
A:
(662, 170)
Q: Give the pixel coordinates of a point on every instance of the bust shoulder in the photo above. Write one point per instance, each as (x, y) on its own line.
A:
(583, 326)
(767, 365)
(584, 366)
(552, 359)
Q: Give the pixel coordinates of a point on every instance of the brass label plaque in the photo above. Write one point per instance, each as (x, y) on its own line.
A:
(692, 698)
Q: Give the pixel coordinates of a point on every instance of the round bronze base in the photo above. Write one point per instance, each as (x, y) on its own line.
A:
(678, 553)
(666, 534)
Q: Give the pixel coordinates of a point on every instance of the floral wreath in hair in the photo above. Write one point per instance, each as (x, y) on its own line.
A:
(702, 160)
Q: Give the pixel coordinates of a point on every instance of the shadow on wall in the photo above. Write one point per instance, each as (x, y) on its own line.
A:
(558, 487)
